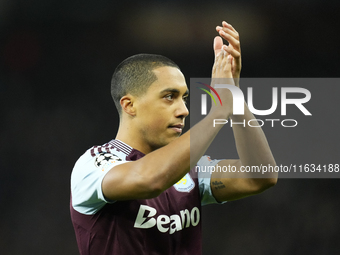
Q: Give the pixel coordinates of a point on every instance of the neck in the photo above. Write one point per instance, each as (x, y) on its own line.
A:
(131, 137)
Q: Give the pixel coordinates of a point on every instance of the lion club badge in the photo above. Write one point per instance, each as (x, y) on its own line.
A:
(185, 184)
(104, 157)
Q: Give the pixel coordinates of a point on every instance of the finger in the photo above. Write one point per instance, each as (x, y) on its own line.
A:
(223, 59)
(230, 49)
(218, 43)
(224, 62)
(228, 31)
(236, 60)
(223, 67)
(227, 62)
(220, 60)
(227, 25)
(217, 63)
(232, 40)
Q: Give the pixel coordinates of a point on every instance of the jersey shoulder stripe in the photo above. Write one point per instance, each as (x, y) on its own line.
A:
(113, 144)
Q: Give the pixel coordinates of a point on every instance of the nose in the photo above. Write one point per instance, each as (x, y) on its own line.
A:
(182, 110)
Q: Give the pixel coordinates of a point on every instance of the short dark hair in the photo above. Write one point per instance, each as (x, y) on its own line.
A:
(135, 74)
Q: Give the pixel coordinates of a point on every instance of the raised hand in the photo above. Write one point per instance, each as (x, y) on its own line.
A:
(222, 67)
(229, 33)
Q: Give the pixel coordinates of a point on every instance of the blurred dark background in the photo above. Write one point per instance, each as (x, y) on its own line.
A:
(56, 62)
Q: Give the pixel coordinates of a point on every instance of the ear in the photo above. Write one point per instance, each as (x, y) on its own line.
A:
(127, 104)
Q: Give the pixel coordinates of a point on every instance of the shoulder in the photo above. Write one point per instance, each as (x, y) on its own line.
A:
(101, 157)
(87, 176)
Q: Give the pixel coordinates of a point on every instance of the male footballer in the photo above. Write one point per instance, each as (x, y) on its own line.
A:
(139, 193)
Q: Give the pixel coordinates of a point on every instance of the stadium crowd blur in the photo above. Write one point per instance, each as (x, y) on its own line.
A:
(56, 62)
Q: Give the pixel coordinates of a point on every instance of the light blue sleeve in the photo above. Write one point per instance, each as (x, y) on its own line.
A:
(204, 177)
(86, 181)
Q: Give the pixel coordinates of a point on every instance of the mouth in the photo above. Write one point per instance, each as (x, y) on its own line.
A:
(177, 128)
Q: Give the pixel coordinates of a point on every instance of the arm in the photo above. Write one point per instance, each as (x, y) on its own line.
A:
(149, 176)
(253, 150)
(160, 169)
(251, 143)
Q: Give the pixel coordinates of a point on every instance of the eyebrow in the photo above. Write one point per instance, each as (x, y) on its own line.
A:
(174, 91)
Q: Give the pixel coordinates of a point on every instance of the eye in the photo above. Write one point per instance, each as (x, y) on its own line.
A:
(185, 99)
(169, 97)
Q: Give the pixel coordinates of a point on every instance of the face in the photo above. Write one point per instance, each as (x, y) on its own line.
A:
(161, 111)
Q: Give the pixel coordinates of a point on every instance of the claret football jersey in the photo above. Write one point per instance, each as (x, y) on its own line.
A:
(167, 224)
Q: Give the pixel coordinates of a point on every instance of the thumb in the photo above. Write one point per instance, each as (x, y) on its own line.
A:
(218, 43)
